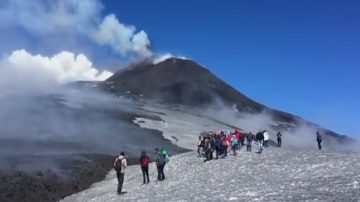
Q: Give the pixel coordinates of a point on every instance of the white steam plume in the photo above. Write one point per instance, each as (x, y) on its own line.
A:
(40, 18)
(120, 37)
(162, 57)
(24, 71)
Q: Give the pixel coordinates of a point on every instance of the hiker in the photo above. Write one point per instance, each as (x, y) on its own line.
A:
(218, 146)
(242, 138)
(318, 139)
(249, 139)
(207, 148)
(160, 164)
(212, 146)
(200, 144)
(266, 138)
(235, 143)
(260, 140)
(225, 146)
(278, 135)
(120, 165)
(239, 139)
(229, 139)
(144, 162)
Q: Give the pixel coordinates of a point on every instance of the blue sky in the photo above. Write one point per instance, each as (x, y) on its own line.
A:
(299, 56)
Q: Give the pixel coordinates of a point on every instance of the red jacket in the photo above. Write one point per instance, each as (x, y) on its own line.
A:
(229, 139)
(238, 135)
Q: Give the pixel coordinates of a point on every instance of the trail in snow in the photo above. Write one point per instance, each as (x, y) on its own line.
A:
(279, 174)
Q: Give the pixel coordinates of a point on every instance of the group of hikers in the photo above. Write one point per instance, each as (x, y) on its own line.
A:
(120, 164)
(224, 142)
(221, 143)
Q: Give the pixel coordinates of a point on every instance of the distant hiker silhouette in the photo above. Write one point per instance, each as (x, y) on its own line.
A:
(260, 139)
(249, 139)
(318, 139)
(278, 135)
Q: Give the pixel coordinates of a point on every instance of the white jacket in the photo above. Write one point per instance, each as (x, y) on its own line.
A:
(123, 163)
(266, 135)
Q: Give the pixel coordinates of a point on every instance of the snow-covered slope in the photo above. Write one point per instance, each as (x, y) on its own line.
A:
(284, 174)
(182, 129)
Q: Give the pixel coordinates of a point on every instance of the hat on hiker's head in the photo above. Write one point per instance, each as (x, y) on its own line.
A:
(122, 153)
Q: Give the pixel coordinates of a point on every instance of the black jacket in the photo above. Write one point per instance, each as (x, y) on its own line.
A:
(249, 137)
(259, 136)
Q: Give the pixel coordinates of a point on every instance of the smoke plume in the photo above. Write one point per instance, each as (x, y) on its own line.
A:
(84, 18)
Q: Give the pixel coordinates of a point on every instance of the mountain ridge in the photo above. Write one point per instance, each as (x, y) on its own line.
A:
(185, 82)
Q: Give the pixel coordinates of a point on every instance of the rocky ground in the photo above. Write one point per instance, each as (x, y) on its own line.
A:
(279, 174)
(76, 173)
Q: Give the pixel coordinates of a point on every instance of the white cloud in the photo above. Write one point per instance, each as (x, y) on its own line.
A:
(84, 18)
(24, 71)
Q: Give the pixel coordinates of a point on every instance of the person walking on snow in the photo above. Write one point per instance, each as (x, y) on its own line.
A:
(207, 148)
(120, 165)
(229, 139)
(266, 138)
(239, 139)
(200, 145)
(225, 146)
(318, 139)
(278, 135)
(260, 140)
(234, 142)
(218, 146)
(144, 162)
(249, 139)
(160, 164)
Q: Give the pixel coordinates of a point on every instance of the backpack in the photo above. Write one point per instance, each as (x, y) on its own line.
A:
(145, 162)
(167, 159)
(118, 165)
(234, 140)
(161, 159)
(166, 155)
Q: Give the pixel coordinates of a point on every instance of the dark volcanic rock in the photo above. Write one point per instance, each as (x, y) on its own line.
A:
(180, 82)
(76, 173)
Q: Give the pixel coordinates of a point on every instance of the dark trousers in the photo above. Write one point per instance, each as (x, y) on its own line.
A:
(217, 152)
(225, 151)
(248, 146)
(120, 177)
(266, 143)
(238, 146)
(319, 145)
(199, 151)
(145, 172)
(161, 175)
(233, 148)
(279, 142)
(208, 154)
